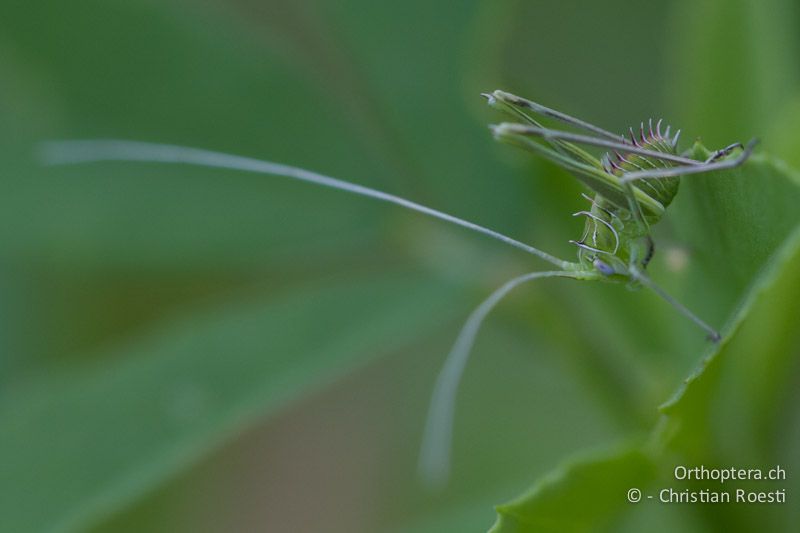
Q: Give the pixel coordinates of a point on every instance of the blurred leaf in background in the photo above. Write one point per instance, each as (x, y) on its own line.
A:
(189, 349)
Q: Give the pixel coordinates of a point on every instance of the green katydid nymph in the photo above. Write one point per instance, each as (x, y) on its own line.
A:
(632, 185)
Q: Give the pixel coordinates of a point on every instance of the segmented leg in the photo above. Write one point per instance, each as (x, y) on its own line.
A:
(722, 153)
(641, 277)
(514, 101)
(545, 133)
(673, 172)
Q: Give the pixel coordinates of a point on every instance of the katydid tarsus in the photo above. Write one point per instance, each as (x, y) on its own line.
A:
(631, 186)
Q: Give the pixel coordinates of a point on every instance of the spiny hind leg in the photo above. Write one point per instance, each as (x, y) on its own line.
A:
(714, 165)
(518, 103)
(710, 165)
(719, 154)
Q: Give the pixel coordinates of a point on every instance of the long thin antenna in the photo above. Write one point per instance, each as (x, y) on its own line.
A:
(434, 460)
(85, 151)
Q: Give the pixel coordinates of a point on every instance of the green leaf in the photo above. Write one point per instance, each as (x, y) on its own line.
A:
(732, 222)
(741, 226)
(738, 406)
(80, 442)
(749, 214)
(467, 515)
(381, 96)
(583, 495)
(768, 317)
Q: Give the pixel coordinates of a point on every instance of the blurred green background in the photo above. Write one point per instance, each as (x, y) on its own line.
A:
(188, 349)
